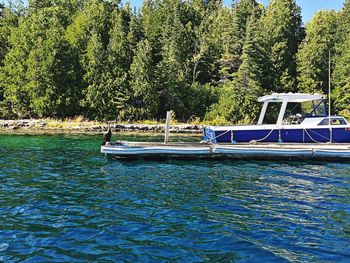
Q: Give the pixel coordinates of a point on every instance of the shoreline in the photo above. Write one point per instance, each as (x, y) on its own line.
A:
(48, 126)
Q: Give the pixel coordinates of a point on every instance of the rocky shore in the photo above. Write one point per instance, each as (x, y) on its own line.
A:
(42, 126)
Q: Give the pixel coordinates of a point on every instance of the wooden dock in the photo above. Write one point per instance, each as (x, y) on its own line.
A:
(288, 151)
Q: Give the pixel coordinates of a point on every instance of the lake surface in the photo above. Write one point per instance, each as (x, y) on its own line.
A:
(62, 201)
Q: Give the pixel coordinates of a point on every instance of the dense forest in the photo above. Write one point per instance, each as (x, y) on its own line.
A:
(105, 60)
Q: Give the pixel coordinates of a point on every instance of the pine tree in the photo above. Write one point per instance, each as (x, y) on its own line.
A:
(98, 93)
(170, 71)
(204, 43)
(341, 77)
(344, 23)
(312, 58)
(232, 29)
(341, 58)
(238, 98)
(38, 75)
(152, 26)
(119, 61)
(107, 92)
(8, 21)
(35, 5)
(280, 35)
(144, 92)
(247, 80)
(3, 34)
(135, 32)
(95, 17)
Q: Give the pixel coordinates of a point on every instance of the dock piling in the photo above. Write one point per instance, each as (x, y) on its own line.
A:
(167, 127)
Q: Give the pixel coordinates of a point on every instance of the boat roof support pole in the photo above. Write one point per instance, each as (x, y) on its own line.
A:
(282, 111)
(262, 113)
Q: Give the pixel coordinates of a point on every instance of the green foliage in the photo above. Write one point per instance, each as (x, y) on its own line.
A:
(233, 27)
(341, 73)
(341, 76)
(107, 94)
(201, 59)
(145, 96)
(279, 37)
(238, 98)
(234, 106)
(8, 21)
(312, 57)
(38, 75)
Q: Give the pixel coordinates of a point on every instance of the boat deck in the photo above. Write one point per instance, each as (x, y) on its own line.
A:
(224, 150)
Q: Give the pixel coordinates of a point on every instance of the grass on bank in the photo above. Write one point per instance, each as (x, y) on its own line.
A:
(82, 122)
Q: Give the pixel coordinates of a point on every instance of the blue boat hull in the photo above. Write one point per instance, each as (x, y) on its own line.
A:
(339, 135)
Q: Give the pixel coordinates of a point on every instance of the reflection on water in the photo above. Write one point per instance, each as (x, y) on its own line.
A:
(62, 201)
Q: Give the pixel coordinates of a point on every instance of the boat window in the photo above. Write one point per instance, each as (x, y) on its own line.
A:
(272, 112)
(334, 121)
(293, 114)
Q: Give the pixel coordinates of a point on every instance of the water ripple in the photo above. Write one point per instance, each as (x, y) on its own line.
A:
(60, 201)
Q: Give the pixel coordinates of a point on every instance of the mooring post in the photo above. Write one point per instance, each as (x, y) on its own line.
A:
(167, 126)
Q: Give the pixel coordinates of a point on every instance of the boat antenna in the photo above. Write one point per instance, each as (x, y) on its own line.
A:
(329, 97)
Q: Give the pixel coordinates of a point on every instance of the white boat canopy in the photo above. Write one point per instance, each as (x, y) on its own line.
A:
(290, 97)
(285, 98)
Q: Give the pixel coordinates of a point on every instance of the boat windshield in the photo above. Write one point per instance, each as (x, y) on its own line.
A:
(297, 111)
(314, 108)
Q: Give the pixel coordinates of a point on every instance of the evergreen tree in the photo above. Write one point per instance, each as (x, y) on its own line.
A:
(107, 93)
(3, 33)
(344, 23)
(144, 92)
(232, 32)
(312, 57)
(98, 94)
(280, 35)
(95, 17)
(38, 74)
(205, 48)
(152, 26)
(88, 36)
(238, 98)
(8, 21)
(170, 72)
(135, 32)
(101, 59)
(35, 5)
(340, 58)
(247, 79)
(341, 77)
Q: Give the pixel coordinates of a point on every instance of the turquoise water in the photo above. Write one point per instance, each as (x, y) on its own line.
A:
(62, 201)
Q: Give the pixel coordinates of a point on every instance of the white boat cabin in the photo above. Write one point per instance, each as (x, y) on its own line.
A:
(283, 109)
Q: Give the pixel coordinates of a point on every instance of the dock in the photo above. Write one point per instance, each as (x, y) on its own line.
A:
(289, 151)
